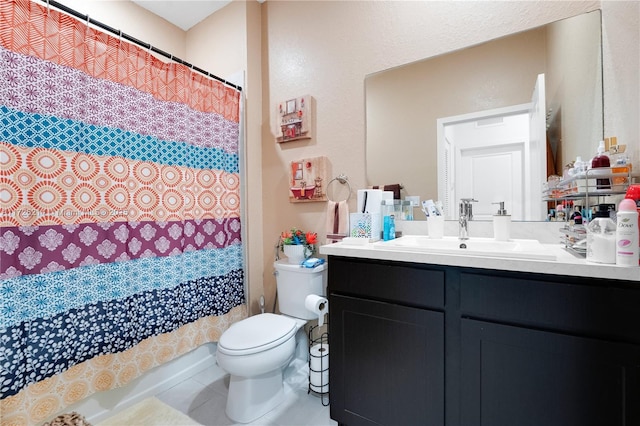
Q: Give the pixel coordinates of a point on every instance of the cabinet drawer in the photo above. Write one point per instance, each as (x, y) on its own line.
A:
(408, 284)
(584, 306)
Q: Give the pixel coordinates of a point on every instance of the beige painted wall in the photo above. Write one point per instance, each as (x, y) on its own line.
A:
(621, 44)
(218, 42)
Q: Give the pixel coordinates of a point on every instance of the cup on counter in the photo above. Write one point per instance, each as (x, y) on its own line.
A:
(435, 226)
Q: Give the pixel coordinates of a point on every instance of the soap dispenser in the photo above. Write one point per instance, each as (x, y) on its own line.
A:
(501, 224)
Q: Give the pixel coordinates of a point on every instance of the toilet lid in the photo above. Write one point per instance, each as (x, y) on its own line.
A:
(257, 333)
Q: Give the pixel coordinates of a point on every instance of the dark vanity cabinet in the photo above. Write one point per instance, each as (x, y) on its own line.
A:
(418, 344)
(386, 334)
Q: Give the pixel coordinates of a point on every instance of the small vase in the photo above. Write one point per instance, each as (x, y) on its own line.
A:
(296, 253)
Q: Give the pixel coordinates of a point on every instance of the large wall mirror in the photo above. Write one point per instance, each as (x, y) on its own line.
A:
(405, 106)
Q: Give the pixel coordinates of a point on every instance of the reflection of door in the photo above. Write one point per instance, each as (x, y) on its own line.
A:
(487, 154)
(538, 141)
(492, 174)
(496, 144)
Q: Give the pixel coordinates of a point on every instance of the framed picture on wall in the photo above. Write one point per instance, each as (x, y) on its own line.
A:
(307, 178)
(294, 119)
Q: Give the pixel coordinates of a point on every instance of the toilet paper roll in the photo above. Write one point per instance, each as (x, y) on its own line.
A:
(317, 380)
(318, 305)
(319, 357)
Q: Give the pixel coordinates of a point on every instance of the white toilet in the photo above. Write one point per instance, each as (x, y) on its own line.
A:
(256, 350)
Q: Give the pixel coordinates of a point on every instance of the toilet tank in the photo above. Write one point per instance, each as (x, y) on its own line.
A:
(295, 283)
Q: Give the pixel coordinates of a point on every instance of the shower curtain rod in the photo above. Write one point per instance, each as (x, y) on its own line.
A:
(134, 40)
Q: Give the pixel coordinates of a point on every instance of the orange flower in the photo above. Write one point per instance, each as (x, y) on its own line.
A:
(297, 237)
(311, 237)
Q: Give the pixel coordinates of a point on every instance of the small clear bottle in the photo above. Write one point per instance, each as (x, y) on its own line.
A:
(601, 237)
(389, 228)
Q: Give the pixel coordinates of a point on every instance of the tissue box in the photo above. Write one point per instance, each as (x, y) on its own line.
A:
(365, 225)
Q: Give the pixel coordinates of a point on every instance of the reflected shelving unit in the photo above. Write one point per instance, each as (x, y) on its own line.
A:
(589, 188)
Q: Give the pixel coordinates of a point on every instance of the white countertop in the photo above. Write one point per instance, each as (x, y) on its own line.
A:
(565, 263)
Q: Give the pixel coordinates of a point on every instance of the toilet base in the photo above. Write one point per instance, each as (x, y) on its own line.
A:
(252, 398)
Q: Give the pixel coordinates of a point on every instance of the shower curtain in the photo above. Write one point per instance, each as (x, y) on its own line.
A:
(120, 224)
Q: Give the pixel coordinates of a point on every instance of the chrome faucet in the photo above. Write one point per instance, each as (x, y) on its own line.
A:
(466, 214)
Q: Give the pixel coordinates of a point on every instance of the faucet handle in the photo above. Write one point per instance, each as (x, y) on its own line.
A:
(466, 208)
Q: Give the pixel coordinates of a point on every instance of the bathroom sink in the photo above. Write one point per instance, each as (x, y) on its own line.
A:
(483, 247)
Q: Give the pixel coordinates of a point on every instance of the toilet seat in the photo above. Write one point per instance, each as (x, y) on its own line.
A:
(256, 334)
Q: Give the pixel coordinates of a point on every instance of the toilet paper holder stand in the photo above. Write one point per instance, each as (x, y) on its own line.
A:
(319, 362)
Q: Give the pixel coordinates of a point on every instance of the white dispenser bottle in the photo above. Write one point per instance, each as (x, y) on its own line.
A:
(627, 234)
(501, 224)
(601, 237)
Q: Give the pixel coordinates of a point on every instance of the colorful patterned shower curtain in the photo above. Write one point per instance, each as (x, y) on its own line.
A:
(120, 224)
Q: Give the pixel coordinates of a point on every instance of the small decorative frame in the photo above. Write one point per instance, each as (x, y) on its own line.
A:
(307, 178)
(294, 119)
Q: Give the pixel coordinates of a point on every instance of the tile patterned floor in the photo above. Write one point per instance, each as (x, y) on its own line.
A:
(204, 395)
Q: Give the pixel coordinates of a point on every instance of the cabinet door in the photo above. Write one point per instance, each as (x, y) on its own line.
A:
(386, 363)
(517, 376)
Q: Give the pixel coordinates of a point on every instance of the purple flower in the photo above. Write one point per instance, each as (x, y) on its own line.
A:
(89, 260)
(88, 235)
(11, 272)
(135, 245)
(147, 253)
(106, 249)
(209, 227)
(28, 230)
(162, 244)
(31, 73)
(175, 231)
(70, 227)
(105, 225)
(9, 242)
(51, 239)
(220, 238)
(122, 258)
(189, 229)
(52, 267)
(29, 257)
(71, 253)
(122, 233)
(147, 232)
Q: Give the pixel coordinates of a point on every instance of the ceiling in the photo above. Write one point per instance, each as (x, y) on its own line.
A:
(182, 13)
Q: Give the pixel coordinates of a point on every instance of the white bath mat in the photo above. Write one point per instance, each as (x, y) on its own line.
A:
(150, 412)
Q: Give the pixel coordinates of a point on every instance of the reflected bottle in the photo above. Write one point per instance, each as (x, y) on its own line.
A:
(599, 161)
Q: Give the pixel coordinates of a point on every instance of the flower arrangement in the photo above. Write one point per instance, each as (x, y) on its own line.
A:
(296, 237)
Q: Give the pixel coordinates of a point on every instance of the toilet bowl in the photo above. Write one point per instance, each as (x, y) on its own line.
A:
(255, 386)
(256, 350)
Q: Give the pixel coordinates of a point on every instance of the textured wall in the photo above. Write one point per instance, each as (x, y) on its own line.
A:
(327, 48)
